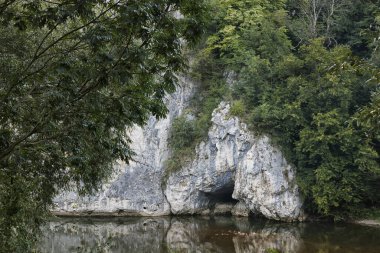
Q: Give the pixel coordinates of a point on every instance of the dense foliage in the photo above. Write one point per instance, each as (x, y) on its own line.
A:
(73, 76)
(307, 73)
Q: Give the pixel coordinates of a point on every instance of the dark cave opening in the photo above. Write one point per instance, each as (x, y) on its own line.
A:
(223, 195)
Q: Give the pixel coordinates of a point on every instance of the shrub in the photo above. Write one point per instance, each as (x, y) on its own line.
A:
(238, 109)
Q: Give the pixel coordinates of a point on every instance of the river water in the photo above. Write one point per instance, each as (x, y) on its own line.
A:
(203, 235)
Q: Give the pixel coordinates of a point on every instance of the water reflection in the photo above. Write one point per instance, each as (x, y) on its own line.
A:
(219, 234)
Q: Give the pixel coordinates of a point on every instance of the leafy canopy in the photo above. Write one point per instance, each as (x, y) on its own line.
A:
(307, 74)
(73, 76)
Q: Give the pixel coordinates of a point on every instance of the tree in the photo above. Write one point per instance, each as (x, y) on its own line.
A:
(313, 90)
(350, 22)
(73, 76)
(239, 22)
(307, 105)
(315, 18)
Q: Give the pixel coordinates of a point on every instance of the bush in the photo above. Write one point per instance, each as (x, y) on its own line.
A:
(182, 133)
(238, 109)
(182, 143)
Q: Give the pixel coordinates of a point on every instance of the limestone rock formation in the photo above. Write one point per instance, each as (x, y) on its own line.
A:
(234, 164)
(231, 167)
(135, 188)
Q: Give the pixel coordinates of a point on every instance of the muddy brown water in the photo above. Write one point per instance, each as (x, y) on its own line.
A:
(203, 235)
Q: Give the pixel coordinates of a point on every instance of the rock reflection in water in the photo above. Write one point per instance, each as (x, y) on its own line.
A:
(195, 234)
(226, 234)
(284, 239)
(128, 235)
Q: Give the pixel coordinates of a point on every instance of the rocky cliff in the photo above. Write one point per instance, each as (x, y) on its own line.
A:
(135, 189)
(234, 171)
(235, 166)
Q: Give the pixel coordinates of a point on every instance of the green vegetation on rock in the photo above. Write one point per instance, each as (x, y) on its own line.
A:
(307, 74)
(307, 93)
(192, 127)
(75, 74)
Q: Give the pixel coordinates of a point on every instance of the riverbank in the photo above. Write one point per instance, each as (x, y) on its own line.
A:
(370, 218)
(368, 222)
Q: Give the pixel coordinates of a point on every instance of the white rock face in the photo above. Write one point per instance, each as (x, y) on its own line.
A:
(135, 188)
(231, 167)
(235, 163)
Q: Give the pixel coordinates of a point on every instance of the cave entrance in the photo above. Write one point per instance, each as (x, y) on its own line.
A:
(223, 195)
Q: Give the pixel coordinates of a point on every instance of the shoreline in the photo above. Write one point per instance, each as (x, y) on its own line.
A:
(367, 222)
(96, 215)
(101, 214)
